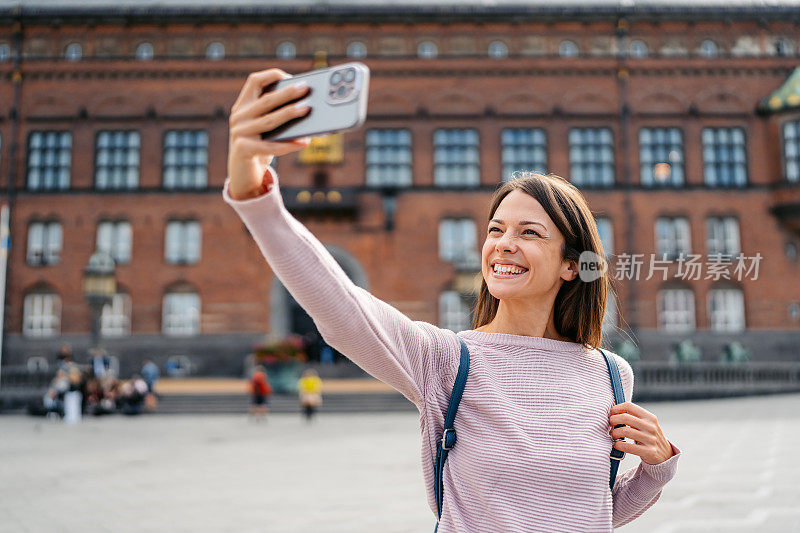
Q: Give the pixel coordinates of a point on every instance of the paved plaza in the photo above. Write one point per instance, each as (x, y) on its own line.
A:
(356, 473)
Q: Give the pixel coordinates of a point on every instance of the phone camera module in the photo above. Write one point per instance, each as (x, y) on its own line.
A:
(336, 78)
(349, 75)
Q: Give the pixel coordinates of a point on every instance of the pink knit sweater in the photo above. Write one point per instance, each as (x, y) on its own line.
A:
(533, 437)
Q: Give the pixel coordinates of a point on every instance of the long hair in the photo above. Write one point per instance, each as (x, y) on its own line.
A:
(579, 305)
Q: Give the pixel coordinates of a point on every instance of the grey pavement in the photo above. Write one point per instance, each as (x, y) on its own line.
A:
(740, 471)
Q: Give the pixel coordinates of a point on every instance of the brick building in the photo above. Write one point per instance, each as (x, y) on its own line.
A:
(680, 121)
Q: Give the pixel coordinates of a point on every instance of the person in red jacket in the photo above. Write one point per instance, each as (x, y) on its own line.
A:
(260, 390)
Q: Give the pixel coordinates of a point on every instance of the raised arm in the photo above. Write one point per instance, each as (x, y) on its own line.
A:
(377, 337)
(637, 489)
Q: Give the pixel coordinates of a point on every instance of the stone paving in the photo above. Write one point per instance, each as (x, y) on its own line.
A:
(740, 472)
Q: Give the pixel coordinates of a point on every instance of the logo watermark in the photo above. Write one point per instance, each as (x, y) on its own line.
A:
(592, 266)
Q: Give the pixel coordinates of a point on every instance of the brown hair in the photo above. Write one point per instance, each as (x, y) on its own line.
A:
(579, 305)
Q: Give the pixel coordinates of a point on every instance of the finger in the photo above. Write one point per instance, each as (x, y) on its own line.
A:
(629, 447)
(274, 99)
(256, 82)
(270, 121)
(631, 433)
(631, 420)
(630, 407)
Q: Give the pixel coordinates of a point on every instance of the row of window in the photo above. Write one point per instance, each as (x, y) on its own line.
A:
(389, 157)
(180, 315)
(429, 49)
(458, 242)
(182, 241)
(676, 310)
(591, 155)
(181, 312)
(117, 160)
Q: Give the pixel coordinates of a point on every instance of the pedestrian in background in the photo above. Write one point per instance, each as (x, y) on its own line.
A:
(260, 390)
(309, 387)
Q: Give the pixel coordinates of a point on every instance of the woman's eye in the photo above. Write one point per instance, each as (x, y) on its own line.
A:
(532, 231)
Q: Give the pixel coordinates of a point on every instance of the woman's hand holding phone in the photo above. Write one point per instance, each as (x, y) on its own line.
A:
(253, 113)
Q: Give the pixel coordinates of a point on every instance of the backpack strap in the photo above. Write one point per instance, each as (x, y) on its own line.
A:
(448, 439)
(619, 397)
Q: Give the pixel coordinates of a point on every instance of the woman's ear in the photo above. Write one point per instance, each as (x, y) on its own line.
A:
(571, 272)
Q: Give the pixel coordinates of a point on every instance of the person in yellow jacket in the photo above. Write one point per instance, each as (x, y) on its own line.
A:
(310, 388)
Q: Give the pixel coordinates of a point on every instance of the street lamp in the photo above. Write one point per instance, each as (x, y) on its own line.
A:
(99, 287)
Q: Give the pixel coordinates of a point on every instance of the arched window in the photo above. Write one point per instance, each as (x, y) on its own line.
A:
(357, 49)
(41, 314)
(5, 52)
(73, 52)
(285, 50)
(215, 50)
(498, 49)
(568, 49)
(427, 50)
(638, 49)
(709, 48)
(144, 51)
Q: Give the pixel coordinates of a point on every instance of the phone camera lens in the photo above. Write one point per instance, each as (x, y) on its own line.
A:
(336, 78)
(341, 90)
(349, 75)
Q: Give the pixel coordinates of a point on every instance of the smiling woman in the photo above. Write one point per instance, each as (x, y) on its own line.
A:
(541, 223)
(537, 421)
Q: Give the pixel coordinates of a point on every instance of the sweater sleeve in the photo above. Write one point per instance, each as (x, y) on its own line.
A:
(377, 337)
(637, 489)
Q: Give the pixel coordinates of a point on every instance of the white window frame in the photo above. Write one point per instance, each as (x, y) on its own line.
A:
(458, 242)
(388, 157)
(117, 159)
(726, 309)
(676, 310)
(286, 50)
(456, 157)
(356, 49)
(523, 149)
(115, 237)
(185, 160)
(454, 314)
(605, 230)
(427, 50)
(180, 314)
(215, 51)
(723, 238)
(41, 315)
(568, 48)
(45, 243)
(673, 237)
(497, 49)
(791, 150)
(183, 241)
(115, 318)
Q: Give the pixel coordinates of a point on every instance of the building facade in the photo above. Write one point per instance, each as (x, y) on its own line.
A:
(681, 124)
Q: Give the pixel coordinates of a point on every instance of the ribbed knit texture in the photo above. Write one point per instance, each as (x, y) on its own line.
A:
(533, 437)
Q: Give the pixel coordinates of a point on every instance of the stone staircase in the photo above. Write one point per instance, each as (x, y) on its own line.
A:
(279, 403)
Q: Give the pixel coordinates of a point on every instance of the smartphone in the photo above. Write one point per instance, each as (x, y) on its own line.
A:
(337, 97)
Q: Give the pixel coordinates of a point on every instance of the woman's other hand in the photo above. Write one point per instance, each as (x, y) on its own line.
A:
(642, 427)
(254, 113)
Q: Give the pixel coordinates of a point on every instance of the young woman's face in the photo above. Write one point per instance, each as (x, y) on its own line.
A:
(534, 247)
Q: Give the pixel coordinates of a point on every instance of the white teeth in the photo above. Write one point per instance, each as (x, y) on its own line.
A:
(503, 269)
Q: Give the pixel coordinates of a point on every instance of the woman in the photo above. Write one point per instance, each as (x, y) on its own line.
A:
(535, 420)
